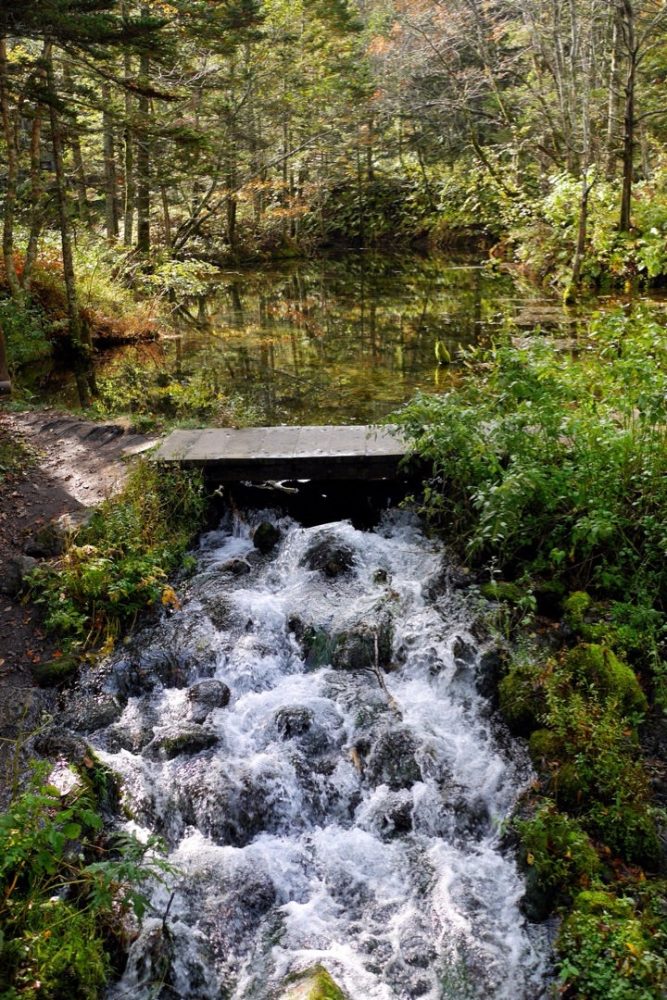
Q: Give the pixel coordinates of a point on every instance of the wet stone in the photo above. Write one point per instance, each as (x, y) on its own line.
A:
(265, 537)
(180, 742)
(464, 652)
(392, 760)
(89, 713)
(330, 557)
(293, 721)
(490, 671)
(205, 696)
(237, 567)
(364, 645)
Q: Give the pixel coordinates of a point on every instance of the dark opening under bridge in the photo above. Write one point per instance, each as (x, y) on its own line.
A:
(279, 453)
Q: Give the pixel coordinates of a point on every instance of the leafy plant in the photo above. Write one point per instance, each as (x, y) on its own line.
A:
(118, 564)
(66, 891)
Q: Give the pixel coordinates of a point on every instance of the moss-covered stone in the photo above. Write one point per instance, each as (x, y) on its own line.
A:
(575, 607)
(597, 901)
(569, 788)
(521, 699)
(596, 667)
(56, 671)
(544, 745)
(318, 647)
(312, 984)
(502, 591)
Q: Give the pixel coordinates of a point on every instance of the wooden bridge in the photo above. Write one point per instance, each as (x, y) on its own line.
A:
(277, 453)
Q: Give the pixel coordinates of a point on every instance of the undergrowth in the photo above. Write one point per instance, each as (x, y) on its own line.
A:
(117, 565)
(69, 893)
(550, 477)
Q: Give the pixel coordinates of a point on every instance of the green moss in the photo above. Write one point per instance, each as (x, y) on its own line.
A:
(502, 591)
(557, 848)
(596, 667)
(629, 829)
(597, 901)
(54, 672)
(575, 607)
(543, 745)
(313, 984)
(569, 787)
(521, 698)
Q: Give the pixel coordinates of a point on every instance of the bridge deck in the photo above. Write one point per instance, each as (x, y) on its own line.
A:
(274, 453)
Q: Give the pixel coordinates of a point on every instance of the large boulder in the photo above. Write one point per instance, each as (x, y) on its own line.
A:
(364, 645)
(392, 759)
(53, 538)
(180, 741)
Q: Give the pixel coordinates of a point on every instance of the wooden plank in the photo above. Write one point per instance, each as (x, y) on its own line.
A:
(329, 452)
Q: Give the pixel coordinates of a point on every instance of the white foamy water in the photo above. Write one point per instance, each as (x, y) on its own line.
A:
(348, 815)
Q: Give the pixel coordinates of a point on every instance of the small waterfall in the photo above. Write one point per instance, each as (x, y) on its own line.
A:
(307, 735)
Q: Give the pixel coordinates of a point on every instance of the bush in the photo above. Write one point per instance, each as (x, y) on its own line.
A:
(117, 565)
(612, 949)
(557, 848)
(65, 893)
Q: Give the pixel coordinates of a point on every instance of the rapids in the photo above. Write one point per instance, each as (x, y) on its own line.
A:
(339, 796)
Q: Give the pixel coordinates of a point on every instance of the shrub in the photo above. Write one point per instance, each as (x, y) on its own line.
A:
(65, 892)
(117, 565)
(610, 948)
(557, 848)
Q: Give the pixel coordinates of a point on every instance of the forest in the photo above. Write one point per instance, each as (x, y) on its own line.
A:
(286, 741)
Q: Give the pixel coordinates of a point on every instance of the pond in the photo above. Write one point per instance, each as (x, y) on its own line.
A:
(321, 341)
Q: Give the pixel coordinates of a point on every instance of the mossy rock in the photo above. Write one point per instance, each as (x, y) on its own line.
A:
(630, 831)
(593, 665)
(575, 607)
(598, 902)
(313, 984)
(502, 591)
(544, 745)
(318, 647)
(57, 671)
(521, 699)
(569, 789)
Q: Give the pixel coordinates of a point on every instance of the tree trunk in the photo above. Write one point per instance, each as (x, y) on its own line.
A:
(110, 177)
(613, 100)
(5, 380)
(128, 138)
(36, 185)
(628, 25)
(79, 335)
(77, 156)
(144, 164)
(11, 185)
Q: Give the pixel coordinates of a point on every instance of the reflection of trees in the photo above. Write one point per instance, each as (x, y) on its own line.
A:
(341, 339)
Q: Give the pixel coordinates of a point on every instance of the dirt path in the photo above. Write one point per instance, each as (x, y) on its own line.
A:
(71, 465)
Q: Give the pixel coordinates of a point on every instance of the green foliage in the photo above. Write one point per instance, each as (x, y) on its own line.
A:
(65, 891)
(557, 848)
(117, 565)
(24, 327)
(613, 948)
(552, 464)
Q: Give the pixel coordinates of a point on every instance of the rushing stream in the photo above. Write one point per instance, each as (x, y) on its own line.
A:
(308, 735)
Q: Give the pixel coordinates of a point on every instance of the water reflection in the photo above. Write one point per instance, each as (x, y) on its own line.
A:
(339, 340)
